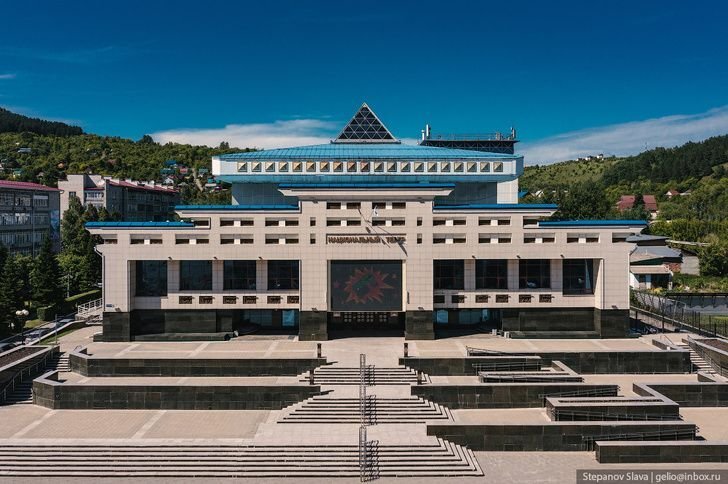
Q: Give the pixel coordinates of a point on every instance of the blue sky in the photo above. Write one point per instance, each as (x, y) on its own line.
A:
(573, 77)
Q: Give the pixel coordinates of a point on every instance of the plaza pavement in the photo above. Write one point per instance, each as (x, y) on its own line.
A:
(34, 423)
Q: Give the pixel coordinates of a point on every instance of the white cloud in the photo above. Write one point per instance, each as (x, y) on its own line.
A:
(8, 76)
(278, 134)
(627, 138)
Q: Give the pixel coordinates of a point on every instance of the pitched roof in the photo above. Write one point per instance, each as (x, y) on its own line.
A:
(17, 185)
(361, 151)
(365, 127)
(627, 201)
(134, 186)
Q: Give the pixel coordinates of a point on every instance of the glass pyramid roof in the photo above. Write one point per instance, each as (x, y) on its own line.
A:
(365, 127)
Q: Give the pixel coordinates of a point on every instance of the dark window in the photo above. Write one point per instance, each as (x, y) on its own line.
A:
(195, 275)
(491, 274)
(282, 274)
(239, 275)
(535, 274)
(151, 278)
(449, 274)
(578, 276)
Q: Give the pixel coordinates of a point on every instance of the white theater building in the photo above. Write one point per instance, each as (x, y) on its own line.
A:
(366, 234)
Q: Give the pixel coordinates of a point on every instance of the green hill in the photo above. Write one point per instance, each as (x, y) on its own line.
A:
(44, 152)
(17, 123)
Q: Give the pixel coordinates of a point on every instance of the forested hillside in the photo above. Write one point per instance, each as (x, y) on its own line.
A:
(44, 152)
(695, 175)
(17, 123)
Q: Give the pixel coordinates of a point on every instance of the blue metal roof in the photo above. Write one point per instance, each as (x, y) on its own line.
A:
(362, 151)
(414, 186)
(101, 225)
(592, 223)
(500, 206)
(235, 207)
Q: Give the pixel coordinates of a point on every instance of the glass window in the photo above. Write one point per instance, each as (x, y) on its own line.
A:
(491, 274)
(151, 278)
(534, 274)
(289, 318)
(239, 275)
(449, 274)
(282, 274)
(195, 275)
(578, 276)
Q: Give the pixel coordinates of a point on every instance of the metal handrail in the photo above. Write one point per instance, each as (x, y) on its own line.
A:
(588, 441)
(19, 377)
(591, 392)
(472, 351)
(556, 414)
(717, 368)
(506, 366)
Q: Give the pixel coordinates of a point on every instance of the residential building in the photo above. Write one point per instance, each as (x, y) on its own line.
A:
(363, 234)
(126, 199)
(29, 213)
(652, 263)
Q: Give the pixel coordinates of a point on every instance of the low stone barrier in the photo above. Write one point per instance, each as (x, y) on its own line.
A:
(556, 436)
(582, 362)
(89, 365)
(689, 394)
(49, 392)
(659, 451)
(506, 395)
(611, 409)
(472, 365)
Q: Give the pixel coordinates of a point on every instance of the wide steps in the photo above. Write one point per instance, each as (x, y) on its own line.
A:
(374, 376)
(379, 411)
(699, 364)
(443, 459)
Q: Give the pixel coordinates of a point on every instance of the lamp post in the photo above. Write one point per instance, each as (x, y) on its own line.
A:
(22, 315)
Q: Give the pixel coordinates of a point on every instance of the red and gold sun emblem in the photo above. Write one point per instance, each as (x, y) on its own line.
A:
(366, 285)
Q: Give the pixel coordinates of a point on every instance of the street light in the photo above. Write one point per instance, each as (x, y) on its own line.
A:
(21, 314)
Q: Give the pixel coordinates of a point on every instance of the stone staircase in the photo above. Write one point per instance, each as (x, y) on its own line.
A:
(325, 409)
(437, 457)
(334, 375)
(23, 394)
(699, 364)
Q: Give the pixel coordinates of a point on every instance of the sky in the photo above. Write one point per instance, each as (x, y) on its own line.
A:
(574, 78)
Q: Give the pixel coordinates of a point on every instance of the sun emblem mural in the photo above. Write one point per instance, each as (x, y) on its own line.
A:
(366, 286)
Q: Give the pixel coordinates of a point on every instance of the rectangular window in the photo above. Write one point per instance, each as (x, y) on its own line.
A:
(578, 276)
(151, 278)
(449, 274)
(491, 274)
(239, 275)
(534, 274)
(195, 275)
(282, 275)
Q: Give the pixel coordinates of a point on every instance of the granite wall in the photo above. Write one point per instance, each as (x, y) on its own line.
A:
(97, 366)
(51, 393)
(504, 395)
(665, 452)
(557, 436)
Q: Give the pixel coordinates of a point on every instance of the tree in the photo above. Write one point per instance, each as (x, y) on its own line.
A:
(11, 289)
(581, 202)
(45, 277)
(714, 260)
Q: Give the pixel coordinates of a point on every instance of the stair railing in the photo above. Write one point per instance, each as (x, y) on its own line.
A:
(28, 371)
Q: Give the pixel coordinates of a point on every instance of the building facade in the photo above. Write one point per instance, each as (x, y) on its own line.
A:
(126, 199)
(29, 213)
(363, 234)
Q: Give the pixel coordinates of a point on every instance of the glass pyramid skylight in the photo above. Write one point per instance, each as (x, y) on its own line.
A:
(365, 127)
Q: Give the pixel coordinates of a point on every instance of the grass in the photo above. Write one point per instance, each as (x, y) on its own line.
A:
(685, 282)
